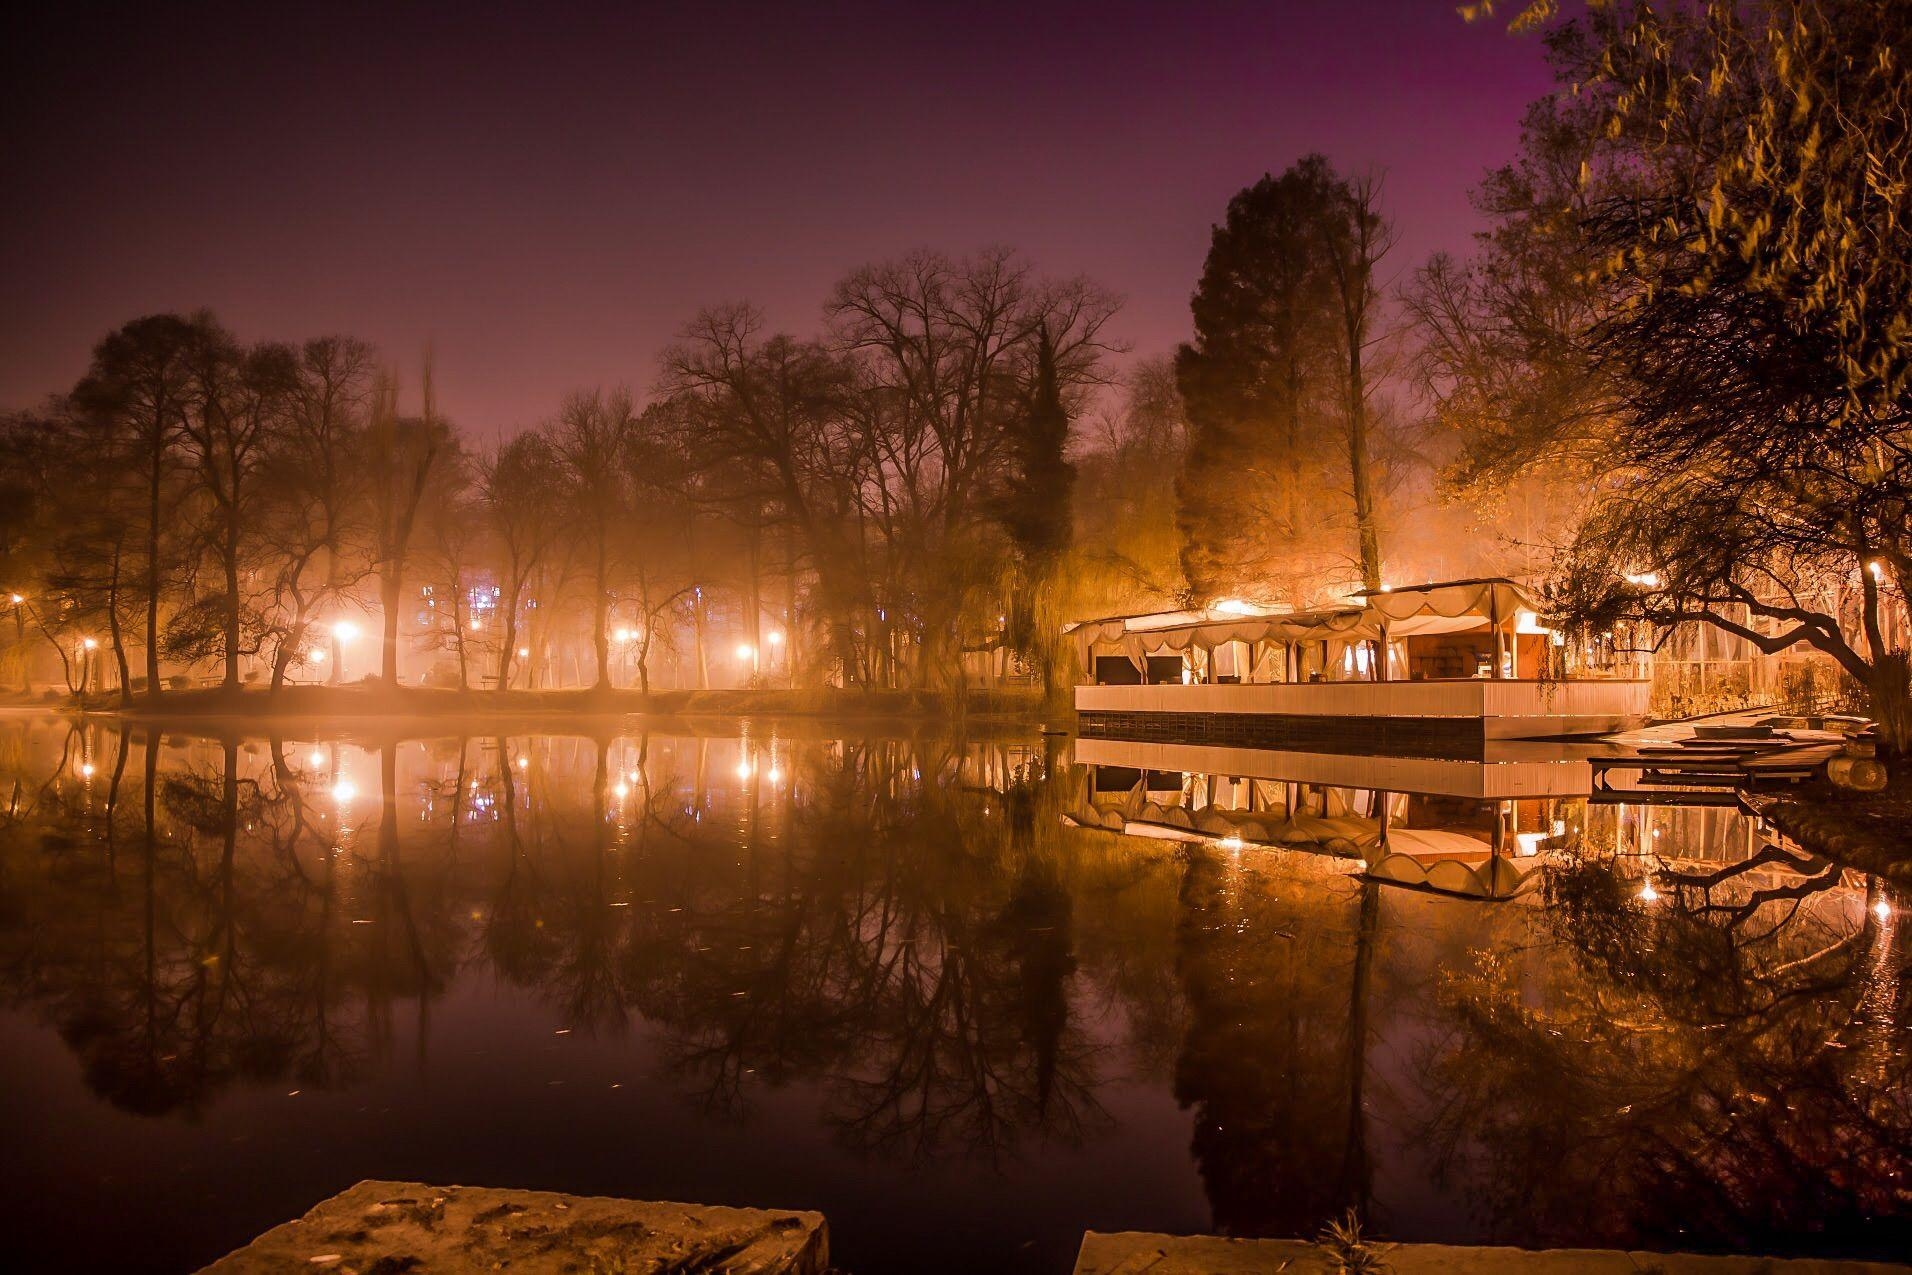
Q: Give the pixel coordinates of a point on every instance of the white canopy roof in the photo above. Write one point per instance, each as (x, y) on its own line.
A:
(1448, 607)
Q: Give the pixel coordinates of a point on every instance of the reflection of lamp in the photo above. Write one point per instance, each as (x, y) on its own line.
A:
(1647, 893)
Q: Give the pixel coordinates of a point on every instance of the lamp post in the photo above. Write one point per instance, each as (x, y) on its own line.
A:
(342, 634)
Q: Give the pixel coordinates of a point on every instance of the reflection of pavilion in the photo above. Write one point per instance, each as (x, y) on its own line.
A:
(1472, 829)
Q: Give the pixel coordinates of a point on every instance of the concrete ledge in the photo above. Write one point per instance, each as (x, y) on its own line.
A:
(1133, 1252)
(399, 1226)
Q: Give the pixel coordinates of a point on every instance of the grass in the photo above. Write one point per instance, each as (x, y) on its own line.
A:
(1348, 1252)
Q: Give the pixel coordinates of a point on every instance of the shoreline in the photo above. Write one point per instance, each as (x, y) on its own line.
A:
(362, 703)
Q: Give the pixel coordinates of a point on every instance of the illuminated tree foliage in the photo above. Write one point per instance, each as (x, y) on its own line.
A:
(1733, 337)
(1278, 383)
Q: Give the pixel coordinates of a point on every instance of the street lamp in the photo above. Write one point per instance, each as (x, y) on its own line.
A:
(343, 632)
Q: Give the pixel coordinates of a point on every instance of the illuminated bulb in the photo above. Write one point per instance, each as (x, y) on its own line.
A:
(743, 770)
(86, 770)
(1648, 894)
(1234, 606)
(774, 637)
(474, 624)
(315, 758)
(316, 655)
(17, 599)
(774, 775)
(1876, 567)
(1645, 579)
(523, 762)
(345, 630)
(91, 644)
(1882, 909)
(623, 635)
(620, 790)
(343, 792)
(745, 650)
(524, 652)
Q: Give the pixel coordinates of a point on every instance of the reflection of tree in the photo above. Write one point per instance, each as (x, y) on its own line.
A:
(202, 949)
(1273, 1062)
(1705, 1088)
(883, 932)
(933, 956)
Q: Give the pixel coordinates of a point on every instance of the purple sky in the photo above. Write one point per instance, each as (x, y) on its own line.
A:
(546, 194)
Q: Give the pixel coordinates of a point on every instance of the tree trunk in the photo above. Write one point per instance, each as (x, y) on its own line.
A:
(230, 552)
(116, 630)
(509, 650)
(1359, 478)
(155, 477)
(388, 593)
(601, 616)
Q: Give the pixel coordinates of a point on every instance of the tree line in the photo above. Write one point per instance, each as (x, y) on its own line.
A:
(196, 500)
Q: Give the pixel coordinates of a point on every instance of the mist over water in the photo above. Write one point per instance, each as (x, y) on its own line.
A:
(893, 979)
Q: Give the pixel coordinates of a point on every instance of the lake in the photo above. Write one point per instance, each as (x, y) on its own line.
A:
(966, 996)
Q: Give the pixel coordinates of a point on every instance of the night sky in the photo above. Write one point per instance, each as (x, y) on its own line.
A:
(545, 194)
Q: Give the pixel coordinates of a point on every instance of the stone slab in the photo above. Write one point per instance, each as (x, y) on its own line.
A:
(1136, 1252)
(382, 1228)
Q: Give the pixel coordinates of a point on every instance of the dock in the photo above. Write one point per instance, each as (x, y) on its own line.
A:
(1136, 1252)
(411, 1226)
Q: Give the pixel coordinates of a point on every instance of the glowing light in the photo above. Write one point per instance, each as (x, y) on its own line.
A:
(620, 790)
(744, 769)
(745, 650)
(774, 775)
(524, 652)
(316, 655)
(1648, 894)
(774, 637)
(1645, 579)
(343, 792)
(476, 624)
(91, 644)
(86, 770)
(523, 762)
(1232, 843)
(1876, 567)
(315, 758)
(1882, 910)
(18, 599)
(345, 631)
(624, 635)
(1234, 606)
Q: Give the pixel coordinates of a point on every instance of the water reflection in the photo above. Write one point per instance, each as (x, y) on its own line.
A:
(1681, 1035)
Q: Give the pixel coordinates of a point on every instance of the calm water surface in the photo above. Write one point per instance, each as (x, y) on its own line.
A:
(906, 982)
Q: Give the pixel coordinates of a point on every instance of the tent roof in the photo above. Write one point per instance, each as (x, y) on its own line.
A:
(1442, 607)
